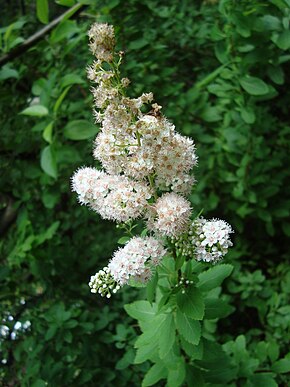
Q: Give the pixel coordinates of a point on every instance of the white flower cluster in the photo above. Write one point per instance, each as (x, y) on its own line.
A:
(135, 260)
(114, 197)
(207, 240)
(170, 215)
(102, 41)
(147, 171)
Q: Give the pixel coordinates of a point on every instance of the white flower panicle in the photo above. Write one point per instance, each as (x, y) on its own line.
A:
(147, 172)
(207, 240)
(103, 283)
(114, 197)
(170, 215)
(135, 260)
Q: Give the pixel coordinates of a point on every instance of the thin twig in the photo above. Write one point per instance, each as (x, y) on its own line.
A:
(32, 40)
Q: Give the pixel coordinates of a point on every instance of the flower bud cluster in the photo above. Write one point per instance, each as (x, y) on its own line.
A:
(183, 283)
(103, 283)
(207, 240)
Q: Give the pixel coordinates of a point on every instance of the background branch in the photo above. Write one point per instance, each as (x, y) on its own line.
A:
(32, 40)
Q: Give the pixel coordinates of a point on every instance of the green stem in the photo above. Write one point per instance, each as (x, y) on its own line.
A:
(152, 185)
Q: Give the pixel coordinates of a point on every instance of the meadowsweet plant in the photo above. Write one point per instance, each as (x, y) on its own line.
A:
(144, 187)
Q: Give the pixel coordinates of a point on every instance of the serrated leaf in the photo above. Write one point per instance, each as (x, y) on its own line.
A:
(166, 337)
(146, 352)
(254, 85)
(193, 351)
(216, 308)
(191, 303)
(35, 110)
(141, 310)
(155, 373)
(80, 130)
(176, 374)
(42, 10)
(214, 276)
(188, 328)
(48, 161)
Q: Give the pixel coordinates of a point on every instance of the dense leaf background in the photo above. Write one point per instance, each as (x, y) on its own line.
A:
(220, 69)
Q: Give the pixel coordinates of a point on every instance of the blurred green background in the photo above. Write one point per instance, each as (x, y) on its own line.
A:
(220, 69)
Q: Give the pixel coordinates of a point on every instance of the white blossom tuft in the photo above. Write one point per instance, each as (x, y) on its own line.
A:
(170, 215)
(135, 260)
(207, 240)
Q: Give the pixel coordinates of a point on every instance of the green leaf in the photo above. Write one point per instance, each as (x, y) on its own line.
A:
(248, 115)
(39, 383)
(188, 328)
(141, 310)
(281, 366)
(193, 351)
(123, 240)
(80, 130)
(217, 364)
(217, 308)
(263, 380)
(64, 30)
(60, 99)
(51, 332)
(176, 374)
(48, 161)
(254, 86)
(71, 79)
(6, 72)
(155, 373)
(47, 133)
(213, 277)
(166, 337)
(283, 40)
(146, 352)
(191, 303)
(35, 110)
(42, 10)
(151, 287)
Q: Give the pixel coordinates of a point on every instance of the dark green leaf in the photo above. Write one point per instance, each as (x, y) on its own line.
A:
(214, 276)
(217, 308)
(254, 86)
(80, 130)
(42, 10)
(191, 303)
(166, 337)
(155, 373)
(188, 328)
(48, 161)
